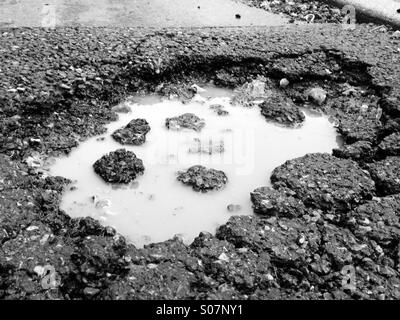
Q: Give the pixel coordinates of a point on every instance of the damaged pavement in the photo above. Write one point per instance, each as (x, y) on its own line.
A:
(328, 228)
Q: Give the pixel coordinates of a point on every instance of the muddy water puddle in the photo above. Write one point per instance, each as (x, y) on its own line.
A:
(156, 206)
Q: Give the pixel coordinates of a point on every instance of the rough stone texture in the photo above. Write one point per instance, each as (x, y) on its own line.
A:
(390, 146)
(267, 201)
(325, 182)
(392, 125)
(185, 121)
(133, 133)
(159, 271)
(391, 106)
(356, 127)
(362, 151)
(60, 90)
(379, 220)
(304, 255)
(386, 174)
(182, 91)
(97, 71)
(281, 110)
(237, 269)
(119, 166)
(283, 239)
(203, 179)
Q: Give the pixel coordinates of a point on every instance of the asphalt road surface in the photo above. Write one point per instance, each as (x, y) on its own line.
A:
(133, 13)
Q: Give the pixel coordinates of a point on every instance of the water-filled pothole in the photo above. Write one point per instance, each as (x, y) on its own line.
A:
(156, 206)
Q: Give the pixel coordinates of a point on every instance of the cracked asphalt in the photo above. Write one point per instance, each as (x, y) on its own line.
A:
(57, 87)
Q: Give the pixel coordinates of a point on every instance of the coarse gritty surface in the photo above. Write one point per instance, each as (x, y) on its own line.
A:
(58, 86)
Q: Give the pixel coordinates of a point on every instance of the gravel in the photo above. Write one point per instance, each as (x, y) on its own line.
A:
(119, 166)
(390, 145)
(61, 89)
(134, 133)
(185, 121)
(203, 179)
(325, 182)
(386, 174)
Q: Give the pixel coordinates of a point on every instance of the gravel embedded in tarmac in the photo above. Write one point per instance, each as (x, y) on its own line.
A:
(59, 86)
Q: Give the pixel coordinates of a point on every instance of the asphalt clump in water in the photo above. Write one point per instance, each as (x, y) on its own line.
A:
(203, 179)
(281, 110)
(119, 166)
(134, 133)
(185, 121)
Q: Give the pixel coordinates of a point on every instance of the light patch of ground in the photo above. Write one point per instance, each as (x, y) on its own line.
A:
(134, 13)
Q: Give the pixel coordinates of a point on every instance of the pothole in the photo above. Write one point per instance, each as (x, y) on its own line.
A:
(155, 206)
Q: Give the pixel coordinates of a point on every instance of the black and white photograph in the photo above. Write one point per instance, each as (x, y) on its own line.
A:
(199, 154)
